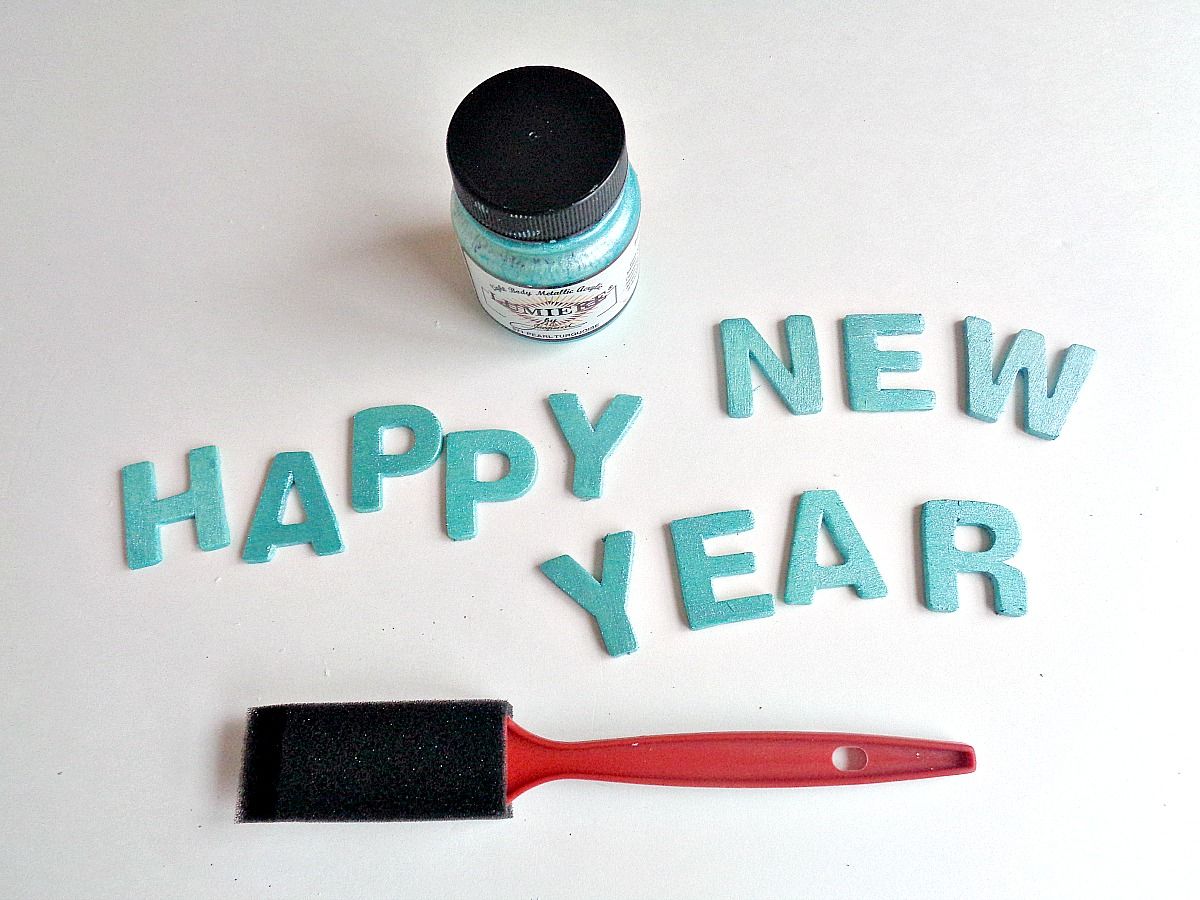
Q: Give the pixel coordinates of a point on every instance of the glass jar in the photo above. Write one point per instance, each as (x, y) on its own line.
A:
(546, 206)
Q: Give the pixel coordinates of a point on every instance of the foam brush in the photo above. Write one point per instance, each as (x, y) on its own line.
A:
(467, 759)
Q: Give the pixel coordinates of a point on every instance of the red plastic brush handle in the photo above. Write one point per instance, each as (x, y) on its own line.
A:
(729, 759)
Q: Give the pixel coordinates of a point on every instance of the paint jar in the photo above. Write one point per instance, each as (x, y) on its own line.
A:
(545, 205)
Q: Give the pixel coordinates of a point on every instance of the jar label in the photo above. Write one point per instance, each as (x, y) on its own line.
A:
(559, 313)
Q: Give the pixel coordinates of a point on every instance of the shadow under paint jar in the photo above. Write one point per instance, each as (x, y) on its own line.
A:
(546, 206)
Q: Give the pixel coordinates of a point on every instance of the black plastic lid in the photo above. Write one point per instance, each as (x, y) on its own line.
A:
(537, 153)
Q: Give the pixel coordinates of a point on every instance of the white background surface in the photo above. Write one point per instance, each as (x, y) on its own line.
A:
(228, 223)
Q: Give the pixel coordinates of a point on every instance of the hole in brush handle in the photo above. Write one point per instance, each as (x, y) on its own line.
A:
(849, 759)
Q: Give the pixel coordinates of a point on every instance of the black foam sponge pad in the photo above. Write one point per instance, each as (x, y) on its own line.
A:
(339, 762)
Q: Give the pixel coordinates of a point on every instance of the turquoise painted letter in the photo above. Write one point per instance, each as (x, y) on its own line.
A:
(1046, 405)
(857, 569)
(591, 447)
(605, 599)
(370, 465)
(145, 514)
(464, 490)
(697, 570)
(798, 384)
(267, 534)
(864, 362)
(943, 561)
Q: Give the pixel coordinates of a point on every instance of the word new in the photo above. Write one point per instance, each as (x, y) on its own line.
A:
(798, 384)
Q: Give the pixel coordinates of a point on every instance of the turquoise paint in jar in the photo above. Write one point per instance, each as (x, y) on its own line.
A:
(546, 206)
